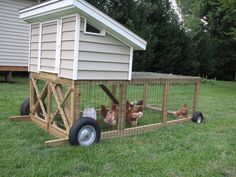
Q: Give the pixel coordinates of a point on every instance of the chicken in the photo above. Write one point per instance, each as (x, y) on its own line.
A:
(136, 107)
(133, 115)
(182, 113)
(104, 111)
(112, 116)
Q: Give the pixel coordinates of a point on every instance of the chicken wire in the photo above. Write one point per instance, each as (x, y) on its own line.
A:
(153, 95)
(148, 92)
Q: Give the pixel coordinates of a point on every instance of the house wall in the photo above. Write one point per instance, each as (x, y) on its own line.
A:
(102, 57)
(14, 33)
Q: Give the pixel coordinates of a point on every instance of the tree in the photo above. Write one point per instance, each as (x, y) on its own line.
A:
(222, 25)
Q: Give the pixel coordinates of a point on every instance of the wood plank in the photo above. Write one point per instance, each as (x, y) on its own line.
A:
(51, 77)
(109, 94)
(152, 127)
(165, 102)
(57, 132)
(57, 142)
(32, 96)
(14, 68)
(49, 106)
(196, 96)
(75, 101)
(39, 97)
(20, 118)
(110, 134)
(61, 109)
(122, 107)
(63, 99)
(40, 122)
(156, 108)
(145, 94)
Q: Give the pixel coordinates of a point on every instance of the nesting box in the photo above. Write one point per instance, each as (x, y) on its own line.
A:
(75, 40)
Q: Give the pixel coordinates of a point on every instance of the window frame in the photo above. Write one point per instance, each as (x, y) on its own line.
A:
(102, 31)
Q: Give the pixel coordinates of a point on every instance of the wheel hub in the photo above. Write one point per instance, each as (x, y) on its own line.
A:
(199, 119)
(86, 135)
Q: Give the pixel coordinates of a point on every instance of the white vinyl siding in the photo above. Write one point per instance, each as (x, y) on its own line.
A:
(102, 57)
(48, 46)
(14, 33)
(67, 47)
(34, 42)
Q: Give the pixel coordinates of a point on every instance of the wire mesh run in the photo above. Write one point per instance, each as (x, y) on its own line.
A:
(120, 107)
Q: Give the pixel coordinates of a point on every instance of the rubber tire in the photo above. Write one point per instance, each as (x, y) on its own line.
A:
(196, 117)
(25, 107)
(78, 124)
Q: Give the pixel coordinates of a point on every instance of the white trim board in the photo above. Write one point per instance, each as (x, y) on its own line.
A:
(130, 63)
(39, 47)
(54, 7)
(76, 48)
(58, 47)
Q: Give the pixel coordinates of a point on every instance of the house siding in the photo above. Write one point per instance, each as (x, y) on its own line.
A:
(34, 42)
(67, 47)
(102, 57)
(14, 34)
(48, 47)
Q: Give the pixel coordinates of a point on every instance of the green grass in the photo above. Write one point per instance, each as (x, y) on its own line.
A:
(207, 149)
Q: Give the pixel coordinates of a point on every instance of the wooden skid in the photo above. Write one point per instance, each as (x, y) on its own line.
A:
(20, 118)
(57, 142)
(51, 129)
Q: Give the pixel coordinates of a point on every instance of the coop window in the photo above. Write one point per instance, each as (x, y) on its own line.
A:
(90, 29)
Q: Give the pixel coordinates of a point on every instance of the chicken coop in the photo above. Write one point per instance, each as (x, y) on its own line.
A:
(82, 88)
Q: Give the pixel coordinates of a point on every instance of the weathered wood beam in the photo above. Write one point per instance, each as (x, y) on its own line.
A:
(109, 94)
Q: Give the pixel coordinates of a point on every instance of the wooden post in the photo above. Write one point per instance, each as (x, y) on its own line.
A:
(49, 106)
(196, 96)
(165, 102)
(145, 93)
(8, 76)
(122, 107)
(32, 97)
(75, 100)
(61, 96)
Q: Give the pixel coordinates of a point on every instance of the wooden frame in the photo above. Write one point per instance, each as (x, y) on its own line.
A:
(52, 88)
(14, 68)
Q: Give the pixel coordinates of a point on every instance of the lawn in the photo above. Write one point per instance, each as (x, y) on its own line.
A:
(207, 149)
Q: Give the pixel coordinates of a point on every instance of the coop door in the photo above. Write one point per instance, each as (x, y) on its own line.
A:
(48, 47)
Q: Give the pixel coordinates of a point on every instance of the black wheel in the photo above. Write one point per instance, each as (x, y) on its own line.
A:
(197, 117)
(84, 132)
(25, 107)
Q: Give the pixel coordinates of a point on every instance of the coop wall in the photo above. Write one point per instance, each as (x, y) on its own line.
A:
(48, 46)
(68, 31)
(34, 45)
(60, 47)
(103, 57)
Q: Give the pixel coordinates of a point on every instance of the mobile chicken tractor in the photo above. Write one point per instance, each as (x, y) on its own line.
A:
(81, 83)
